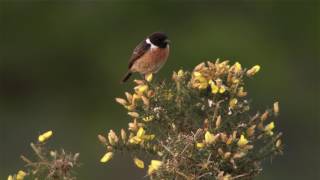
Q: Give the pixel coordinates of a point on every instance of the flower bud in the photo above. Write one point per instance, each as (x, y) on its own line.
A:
(139, 163)
(218, 121)
(276, 108)
(133, 114)
(227, 155)
(121, 101)
(21, 174)
(145, 100)
(278, 143)
(264, 116)
(113, 138)
(45, 136)
(250, 130)
(102, 139)
(106, 157)
(233, 102)
(200, 145)
(123, 135)
(129, 97)
(253, 70)
(149, 77)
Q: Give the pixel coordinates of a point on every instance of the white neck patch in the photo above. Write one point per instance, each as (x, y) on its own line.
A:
(152, 45)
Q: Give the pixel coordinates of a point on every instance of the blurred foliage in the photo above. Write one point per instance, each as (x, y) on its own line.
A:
(61, 62)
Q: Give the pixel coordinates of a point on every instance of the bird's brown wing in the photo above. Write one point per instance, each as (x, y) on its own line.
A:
(138, 52)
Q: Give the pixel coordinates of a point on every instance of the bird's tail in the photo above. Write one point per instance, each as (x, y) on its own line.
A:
(126, 77)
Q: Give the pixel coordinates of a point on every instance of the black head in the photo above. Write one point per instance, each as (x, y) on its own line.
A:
(159, 39)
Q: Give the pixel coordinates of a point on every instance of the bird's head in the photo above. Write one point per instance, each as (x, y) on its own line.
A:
(159, 39)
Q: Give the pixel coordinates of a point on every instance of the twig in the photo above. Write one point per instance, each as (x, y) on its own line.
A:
(166, 148)
(240, 176)
(182, 174)
(205, 174)
(36, 150)
(28, 161)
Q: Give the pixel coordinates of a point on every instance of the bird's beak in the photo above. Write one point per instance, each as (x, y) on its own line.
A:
(167, 41)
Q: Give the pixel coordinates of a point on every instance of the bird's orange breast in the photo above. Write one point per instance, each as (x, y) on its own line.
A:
(151, 61)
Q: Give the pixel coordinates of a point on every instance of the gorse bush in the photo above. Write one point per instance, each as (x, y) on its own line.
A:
(47, 164)
(198, 125)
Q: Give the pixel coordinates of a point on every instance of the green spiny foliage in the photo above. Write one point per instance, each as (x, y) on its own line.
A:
(198, 125)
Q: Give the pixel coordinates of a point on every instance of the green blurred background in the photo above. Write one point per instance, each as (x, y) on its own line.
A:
(61, 62)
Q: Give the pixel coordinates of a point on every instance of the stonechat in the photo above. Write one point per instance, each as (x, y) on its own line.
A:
(149, 55)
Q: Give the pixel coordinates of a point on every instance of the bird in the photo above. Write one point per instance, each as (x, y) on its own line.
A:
(149, 55)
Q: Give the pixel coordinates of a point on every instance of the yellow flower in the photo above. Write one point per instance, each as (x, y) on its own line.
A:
(217, 87)
(229, 140)
(141, 132)
(269, 127)
(141, 89)
(199, 81)
(197, 74)
(149, 77)
(139, 163)
(106, 157)
(10, 177)
(209, 138)
(149, 137)
(200, 145)
(237, 67)
(45, 136)
(214, 87)
(135, 97)
(253, 70)
(242, 141)
(21, 174)
(180, 73)
(222, 89)
(140, 136)
(148, 118)
(226, 177)
(135, 140)
(233, 102)
(241, 92)
(235, 80)
(203, 84)
(154, 166)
